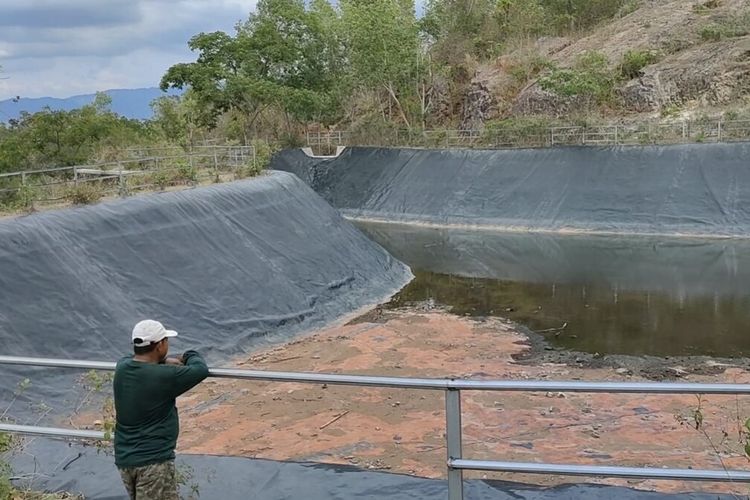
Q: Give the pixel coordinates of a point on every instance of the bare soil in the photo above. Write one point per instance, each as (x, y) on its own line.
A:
(403, 431)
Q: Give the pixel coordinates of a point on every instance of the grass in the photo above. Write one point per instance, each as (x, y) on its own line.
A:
(726, 28)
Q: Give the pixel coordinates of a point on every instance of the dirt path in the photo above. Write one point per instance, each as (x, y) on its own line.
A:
(403, 431)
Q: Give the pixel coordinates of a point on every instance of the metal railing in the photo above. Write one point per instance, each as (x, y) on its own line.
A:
(139, 169)
(529, 135)
(452, 388)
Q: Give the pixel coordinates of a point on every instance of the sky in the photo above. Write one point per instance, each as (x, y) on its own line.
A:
(60, 48)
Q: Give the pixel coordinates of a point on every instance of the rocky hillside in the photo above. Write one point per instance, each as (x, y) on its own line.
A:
(665, 58)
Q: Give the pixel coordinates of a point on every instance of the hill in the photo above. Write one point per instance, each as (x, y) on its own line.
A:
(665, 58)
(130, 103)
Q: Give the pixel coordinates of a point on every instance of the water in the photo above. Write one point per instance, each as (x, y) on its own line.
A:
(607, 295)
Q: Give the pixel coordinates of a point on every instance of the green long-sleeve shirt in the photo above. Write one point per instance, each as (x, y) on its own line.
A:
(147, 424)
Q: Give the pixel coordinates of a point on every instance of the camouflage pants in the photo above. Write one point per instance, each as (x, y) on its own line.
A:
(151, 482)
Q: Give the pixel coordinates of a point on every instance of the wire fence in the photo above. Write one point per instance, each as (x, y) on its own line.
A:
(140, 169)
(535, 135)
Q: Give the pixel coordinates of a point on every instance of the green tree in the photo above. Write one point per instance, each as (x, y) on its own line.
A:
(61, 138)
(177, 119)
(384, 51)
(285, 56)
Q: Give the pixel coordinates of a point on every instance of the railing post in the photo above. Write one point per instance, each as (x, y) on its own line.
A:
(453, 442)
(216, 166)
(719, 132)
(123, 187)
(23, 178)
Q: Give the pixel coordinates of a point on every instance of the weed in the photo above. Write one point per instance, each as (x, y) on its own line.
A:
(634, 61)
(670, 110)
(590, 77)
(184, 475)
(161, 179)
(702, 8)
(259, 162)
(529, 68)
(728, 27)
(85, 193)
(186, 172)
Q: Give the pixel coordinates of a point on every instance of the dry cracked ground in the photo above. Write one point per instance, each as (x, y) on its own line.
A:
(403, 431)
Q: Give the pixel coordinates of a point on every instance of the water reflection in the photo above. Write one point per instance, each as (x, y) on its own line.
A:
(616, 295)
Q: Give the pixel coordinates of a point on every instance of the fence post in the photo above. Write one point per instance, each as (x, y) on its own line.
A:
(23, 178)
(123, 187)
(684, 131)
(617, 142)
(453, 442)
(719, 132)
(216, 166)
(75, 176)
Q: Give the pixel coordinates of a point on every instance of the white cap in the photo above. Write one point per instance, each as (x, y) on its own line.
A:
(148, 331)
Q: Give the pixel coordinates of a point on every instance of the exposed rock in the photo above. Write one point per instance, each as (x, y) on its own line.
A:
(689, 70)
(486, 98)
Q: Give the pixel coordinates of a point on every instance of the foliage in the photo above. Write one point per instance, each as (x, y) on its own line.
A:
(633, 61)
(14, 196)
(590, 78)
(529, 67)
(186, 172)
(702, 8)
(263, 151)
(177, 119)
(729, 27)
(85, 193)
(63, 138)
(284, 56)
(384, 52)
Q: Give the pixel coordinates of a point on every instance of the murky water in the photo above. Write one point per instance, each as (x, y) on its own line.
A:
(611, 295)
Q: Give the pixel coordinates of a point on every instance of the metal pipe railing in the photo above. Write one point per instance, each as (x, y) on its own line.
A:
(452, 388)
(422, 383)
(32, 430)
(598, 470)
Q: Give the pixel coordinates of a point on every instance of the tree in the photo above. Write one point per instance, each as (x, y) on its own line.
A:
(382, 36)
(61, 138)
(177, 119)
(284, 56)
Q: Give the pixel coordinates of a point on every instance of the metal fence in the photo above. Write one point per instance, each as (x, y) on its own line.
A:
(452, 388)
(530, 135)
(139, 169)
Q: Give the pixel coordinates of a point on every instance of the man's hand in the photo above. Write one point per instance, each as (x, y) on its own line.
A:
(174, 361)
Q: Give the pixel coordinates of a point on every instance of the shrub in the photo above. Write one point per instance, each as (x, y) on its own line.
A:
(186, 172)
(19, 198)
(589, 77)
(529, 68)
(712, 33)
(634, 61)
(729, 27)
(529, 131)
(85, 193)
(161, 179)
(260, 160)
(702, 8)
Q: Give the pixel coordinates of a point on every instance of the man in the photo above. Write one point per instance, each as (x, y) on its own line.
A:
(146, 385)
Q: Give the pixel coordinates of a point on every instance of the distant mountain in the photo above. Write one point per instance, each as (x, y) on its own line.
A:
(131, 103)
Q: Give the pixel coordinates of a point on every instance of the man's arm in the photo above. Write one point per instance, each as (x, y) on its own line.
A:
(190, 375)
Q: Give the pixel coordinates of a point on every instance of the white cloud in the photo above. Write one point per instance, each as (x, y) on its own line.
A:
(60, 48)
(101, 44)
